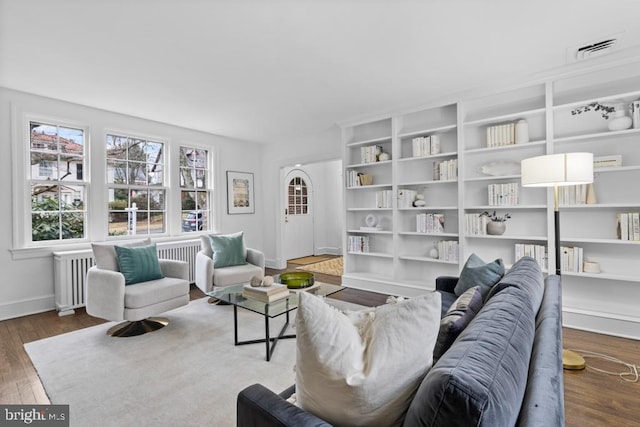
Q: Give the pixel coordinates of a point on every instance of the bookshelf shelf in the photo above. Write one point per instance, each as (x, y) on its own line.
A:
(400, 260)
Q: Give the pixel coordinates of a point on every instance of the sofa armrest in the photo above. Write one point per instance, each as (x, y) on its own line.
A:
(204, 272)
(105, 294)
(255, 257)
(257, 406)
(446, 283)
(174, 268)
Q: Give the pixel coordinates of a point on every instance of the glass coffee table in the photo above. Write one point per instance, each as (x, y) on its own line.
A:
(233, 295)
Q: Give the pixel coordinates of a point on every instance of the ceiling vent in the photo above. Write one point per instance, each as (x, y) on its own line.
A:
(594, 49)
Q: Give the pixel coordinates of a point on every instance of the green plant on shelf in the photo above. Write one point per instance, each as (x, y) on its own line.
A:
(605, 110)
(494, 217)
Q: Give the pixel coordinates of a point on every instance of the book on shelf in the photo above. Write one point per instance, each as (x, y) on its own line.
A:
(628, 226)
(505, 194)
(448, 250)
(384, 199)
(571, 259)
(445, 170)
(430, 223)
(266, 294)
(376, 228)
(501, 135)
(573, 194)
(612, 161)
(476, 224)
(406, 198)
(425, 145)
(358, 244)
(370, 153)
(537, 252)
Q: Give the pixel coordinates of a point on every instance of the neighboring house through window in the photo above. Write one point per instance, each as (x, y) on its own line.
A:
(58, 191)
(135, 180)
(195, 189)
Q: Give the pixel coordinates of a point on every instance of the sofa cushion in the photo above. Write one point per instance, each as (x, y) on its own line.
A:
(363, 368)
(228, 249)
(236, 274)
(459, 315)
(154, 291)
(105, 253)
(448, 299)
(478, 273)
(481, 379)
(138, 264)
(525, 274)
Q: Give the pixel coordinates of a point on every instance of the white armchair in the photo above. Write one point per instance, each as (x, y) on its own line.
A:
(109, 298)
(207, 276)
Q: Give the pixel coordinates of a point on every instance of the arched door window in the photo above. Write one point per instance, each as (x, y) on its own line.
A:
(298, 197)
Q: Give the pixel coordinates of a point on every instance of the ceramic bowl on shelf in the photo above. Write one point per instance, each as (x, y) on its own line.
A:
(296, 279)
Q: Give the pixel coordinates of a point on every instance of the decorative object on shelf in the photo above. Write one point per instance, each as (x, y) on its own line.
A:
(610, 161)
(419, 201)
(365, 179)
(371, 220)
(433, 253)
(406, 198)
(267, 281)
(620, 120)
(497, 226)
(605, 110)
(296, 279)
(501, 168)
(591, 267)
(384, 156)
(256, 282)
(522, 132)
(591, 195)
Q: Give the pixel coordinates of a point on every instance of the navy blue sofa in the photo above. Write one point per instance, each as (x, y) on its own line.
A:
(505, 368)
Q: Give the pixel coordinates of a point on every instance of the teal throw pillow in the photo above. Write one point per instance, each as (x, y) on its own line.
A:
(138, 264)
(478, 273)
(228, 250)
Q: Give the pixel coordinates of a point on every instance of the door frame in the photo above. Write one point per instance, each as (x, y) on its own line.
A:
(283, 203)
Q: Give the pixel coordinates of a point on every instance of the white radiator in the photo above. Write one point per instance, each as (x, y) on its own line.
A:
(70, 270)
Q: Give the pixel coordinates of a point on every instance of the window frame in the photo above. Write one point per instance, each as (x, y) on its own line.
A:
(209, 188)
(165, 187)
(22, 180)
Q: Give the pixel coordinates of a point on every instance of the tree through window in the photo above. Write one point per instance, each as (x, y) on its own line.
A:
(58, 187)
(194, 189)
(297, 197)
(135, 178)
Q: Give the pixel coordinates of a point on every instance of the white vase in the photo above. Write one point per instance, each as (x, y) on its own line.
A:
(496, 228)
(522, 132)
(620, 121)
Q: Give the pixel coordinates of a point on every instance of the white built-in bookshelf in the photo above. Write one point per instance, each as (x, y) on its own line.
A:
(464, 159)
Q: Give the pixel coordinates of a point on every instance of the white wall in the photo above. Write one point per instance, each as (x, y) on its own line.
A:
(309, 149)
(326, 178)
(27, 285)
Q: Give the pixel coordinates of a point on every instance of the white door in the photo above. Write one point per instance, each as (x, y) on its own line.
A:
(298, 216)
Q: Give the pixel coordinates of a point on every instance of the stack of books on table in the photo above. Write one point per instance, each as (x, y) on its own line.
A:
(266, 293)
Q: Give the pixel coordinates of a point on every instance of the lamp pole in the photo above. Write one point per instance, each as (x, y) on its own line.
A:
(556, 220)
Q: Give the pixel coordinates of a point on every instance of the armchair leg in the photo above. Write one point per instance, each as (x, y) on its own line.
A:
(139, 327)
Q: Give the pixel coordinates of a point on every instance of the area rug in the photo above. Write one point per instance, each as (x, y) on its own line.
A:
(186, 374)
(333, 267)
(308, 260)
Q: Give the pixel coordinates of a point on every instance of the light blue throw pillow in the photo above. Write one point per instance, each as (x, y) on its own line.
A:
(228, 250)
(478, 273)
(138, 264)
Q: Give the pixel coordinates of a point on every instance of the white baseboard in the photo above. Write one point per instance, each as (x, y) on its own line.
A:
(602, 323)
(328, 251)
(25, 307)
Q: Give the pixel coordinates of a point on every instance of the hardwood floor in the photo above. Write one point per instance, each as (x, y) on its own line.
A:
(591, 398)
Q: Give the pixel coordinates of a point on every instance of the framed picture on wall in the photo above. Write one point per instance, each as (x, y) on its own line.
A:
(240, 192)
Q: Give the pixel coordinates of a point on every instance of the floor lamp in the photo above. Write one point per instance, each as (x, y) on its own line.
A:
(557, 170)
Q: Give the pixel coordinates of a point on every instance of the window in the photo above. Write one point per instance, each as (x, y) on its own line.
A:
(58, 192)
(135, 180)
(194, 189)
(298, 197)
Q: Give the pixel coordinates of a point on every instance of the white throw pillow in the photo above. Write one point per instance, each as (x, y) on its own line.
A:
(363, 368)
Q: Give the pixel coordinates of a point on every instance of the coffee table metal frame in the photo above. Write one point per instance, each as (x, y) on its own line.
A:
(233, 295)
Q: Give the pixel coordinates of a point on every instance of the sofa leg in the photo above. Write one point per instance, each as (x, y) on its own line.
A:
(139, 327)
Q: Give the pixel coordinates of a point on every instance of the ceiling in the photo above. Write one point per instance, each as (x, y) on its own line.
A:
(270, 71)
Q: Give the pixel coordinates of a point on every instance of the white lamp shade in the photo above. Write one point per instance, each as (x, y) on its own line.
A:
(557, 169)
